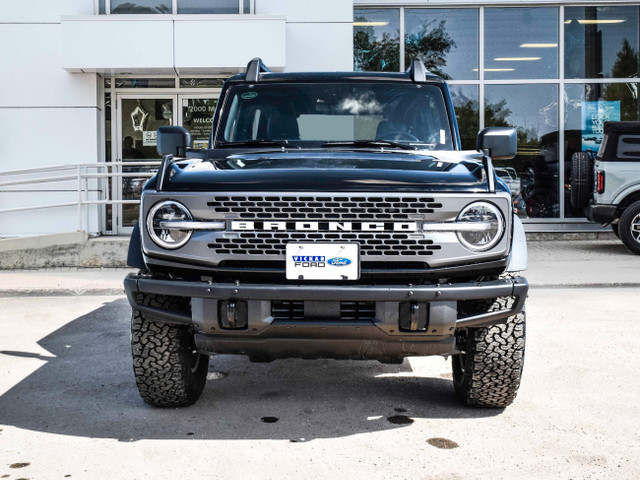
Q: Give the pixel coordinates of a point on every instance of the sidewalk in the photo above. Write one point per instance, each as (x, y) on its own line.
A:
(552, 264)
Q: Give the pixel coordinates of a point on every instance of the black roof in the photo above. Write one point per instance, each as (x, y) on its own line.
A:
(321, 77)
(626, 127)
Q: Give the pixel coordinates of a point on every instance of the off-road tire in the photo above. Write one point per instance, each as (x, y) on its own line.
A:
(168, 370)
(487, 373)
(629, 227)
(581, 179)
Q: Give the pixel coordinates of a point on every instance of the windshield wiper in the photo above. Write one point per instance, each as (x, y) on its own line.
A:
(256, 143)
(371, 143)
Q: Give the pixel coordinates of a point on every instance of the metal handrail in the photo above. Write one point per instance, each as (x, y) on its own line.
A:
(74, 166)
(82, 174)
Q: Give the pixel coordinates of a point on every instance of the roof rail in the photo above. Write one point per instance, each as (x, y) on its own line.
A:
(418, 71)
(254, 68)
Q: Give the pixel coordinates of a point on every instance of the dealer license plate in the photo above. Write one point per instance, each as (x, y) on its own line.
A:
(323, 261)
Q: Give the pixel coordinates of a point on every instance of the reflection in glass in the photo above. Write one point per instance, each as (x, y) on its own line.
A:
(521, 43)
(140, 119)
(208, 6)
(202, 82)
(446, 40)
(376, 39)
(145, 83)
(622, 98)
(533, 111)
(246, 6)
(107, 158)
(197, 116)
(101, 9)
(140, 6)
(601, 42)
(465, 103)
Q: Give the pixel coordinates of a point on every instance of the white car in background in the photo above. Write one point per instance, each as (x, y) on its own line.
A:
(510, 177)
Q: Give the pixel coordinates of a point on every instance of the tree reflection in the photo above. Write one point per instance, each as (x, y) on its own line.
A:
(431, 45)
(626, 65)
(375, 54)
(130, 7)
(467, 115)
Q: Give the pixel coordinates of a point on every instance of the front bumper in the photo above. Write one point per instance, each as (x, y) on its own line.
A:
(381, 337)
(600, 213)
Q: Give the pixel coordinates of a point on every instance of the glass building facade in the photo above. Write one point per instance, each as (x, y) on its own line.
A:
(555, 73)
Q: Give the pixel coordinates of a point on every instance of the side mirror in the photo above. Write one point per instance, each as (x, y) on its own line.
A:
(502, 142)
(173, 141)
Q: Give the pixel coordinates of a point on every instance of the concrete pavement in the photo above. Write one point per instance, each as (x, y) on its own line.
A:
(557, 263)
(69, 407)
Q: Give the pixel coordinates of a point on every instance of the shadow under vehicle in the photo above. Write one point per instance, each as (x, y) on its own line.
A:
(84, 386)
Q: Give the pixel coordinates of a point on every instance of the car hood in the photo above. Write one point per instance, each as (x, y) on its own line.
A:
(331, 170)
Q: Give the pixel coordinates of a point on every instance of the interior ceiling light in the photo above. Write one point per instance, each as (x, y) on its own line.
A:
(539, 45)
(596, 22)
(496, 69)
(516, 59)
(370, 24)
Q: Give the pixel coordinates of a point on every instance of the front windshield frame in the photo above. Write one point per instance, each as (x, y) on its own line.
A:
(442, 115)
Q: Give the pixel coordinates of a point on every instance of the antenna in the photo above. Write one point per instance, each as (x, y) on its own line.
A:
(254, 68)
(418, 71)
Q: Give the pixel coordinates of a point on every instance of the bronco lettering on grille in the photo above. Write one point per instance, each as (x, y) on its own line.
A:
(326, 226)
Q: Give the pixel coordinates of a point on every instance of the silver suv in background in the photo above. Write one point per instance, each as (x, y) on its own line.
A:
(608, 186)
(510, 177)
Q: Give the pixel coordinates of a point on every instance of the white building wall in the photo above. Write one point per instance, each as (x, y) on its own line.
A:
(319, 33)
(47, 115)
(55, 51)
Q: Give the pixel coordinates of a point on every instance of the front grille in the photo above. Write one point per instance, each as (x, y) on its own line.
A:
(308, 207)
(349, 311)
(354, 311)
(287, 310)
(371, 243)
(388, 227)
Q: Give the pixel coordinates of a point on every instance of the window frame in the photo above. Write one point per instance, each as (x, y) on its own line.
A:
(481, 82)
(174, 8)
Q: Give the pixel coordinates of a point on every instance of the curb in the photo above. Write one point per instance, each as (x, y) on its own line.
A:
(585, 285)
(62, 292)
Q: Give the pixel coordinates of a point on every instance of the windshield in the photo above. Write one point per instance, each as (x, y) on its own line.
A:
(319, 114)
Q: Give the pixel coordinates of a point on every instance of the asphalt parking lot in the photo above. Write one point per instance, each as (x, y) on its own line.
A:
(69, 407)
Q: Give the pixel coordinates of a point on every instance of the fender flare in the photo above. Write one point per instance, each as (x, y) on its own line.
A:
(518, 257)
(625, 193)
(134, 255)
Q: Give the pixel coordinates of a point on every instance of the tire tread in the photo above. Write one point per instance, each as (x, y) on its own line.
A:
(494, 362)
(162, 356)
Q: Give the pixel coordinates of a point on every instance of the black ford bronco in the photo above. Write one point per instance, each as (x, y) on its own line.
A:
(333, 216)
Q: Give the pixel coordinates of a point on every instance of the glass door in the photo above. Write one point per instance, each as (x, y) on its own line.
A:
(197, 117)
(139, 117)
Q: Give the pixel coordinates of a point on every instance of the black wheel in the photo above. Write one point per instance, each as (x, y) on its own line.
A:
(168, 370)
(539, 203)
(616, 229)
(581, 179)
(629, 227)
(487, 372)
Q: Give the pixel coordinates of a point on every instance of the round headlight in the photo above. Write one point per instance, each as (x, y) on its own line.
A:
(481, 226)
(159, 224)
